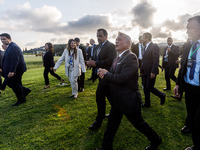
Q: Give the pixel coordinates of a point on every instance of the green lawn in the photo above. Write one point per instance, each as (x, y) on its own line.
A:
(50, 120)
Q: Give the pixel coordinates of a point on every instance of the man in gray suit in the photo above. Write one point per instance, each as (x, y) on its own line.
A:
(125, 95)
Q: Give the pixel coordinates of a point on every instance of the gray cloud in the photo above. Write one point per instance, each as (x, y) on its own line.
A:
(180, 24)
(88, 23)
(157, 33)
(47, 19)
(143, 14)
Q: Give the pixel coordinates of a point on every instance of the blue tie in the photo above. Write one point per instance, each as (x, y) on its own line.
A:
(193, 57)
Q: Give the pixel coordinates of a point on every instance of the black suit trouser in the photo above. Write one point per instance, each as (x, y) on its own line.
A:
(136, 120)
(81, 80)
(148, 84)
(193, 112)
(46, 78)
(101, 94)
(169, 74)
(15, 83)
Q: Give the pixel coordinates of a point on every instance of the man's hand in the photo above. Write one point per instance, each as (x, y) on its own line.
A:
(0, 70)
(11, 74)
(153, 75)
(91, 63)
(102, 72)
(176, 91)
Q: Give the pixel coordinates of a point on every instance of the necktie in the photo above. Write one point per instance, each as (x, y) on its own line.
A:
(99, 49)
(114, 64)
(193, 57)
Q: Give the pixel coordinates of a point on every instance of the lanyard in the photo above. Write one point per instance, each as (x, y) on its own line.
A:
(193, 51)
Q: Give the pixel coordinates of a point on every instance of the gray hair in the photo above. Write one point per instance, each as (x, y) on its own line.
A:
(127, 37)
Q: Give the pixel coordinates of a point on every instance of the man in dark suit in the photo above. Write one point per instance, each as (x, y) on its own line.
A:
(92, 52)
(169, 63)
(81, 78)
(189, 79)
(13, 67)
(125, 95)
(149, 69)
(138, 50)
(88, 51)
(103, 57)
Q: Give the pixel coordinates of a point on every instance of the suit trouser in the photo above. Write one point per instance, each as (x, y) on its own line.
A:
(193, 105)
(101, 94)
(46, 72)
(73, 81)
(148, 84)
(136, 120)
(81, 80)
(16, 84)
(169, 74)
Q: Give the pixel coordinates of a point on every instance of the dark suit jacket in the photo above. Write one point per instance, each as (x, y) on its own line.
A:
(150, 60)
(172, 57)
(123, 84)
(104, 59)
(13, 60)
(1, 58)
(106, 55)
(135, 49)
(48, 60)
(88, 53)
(180, 79)
(83, 51)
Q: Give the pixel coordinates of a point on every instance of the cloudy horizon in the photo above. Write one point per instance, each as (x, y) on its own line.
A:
(31, 24)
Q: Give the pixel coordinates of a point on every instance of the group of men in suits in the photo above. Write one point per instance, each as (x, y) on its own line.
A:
(117, 68)
(118, 77)
(124, 96)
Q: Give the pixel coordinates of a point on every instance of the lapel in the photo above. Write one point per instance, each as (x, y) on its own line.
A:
(148, 48)
(102, 49)
(120, 60)
(187, 51)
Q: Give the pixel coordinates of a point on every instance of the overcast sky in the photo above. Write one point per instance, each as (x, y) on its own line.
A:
(33, 23)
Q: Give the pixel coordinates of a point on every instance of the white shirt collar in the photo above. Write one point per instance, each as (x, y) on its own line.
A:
(122, 53)
(146, 46)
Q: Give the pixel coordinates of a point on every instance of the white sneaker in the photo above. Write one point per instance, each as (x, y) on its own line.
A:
(62, 84)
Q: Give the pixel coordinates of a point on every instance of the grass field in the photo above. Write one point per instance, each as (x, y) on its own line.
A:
(49, 120)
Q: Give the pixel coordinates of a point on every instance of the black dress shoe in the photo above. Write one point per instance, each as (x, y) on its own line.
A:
(165, 89)
(162, 100)
(72, 96)
(18, 103)
(190, 148)
(95, 125)
(179, 99)
(186, 130)
(146, 105)
(27, 92)
(155, 145)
